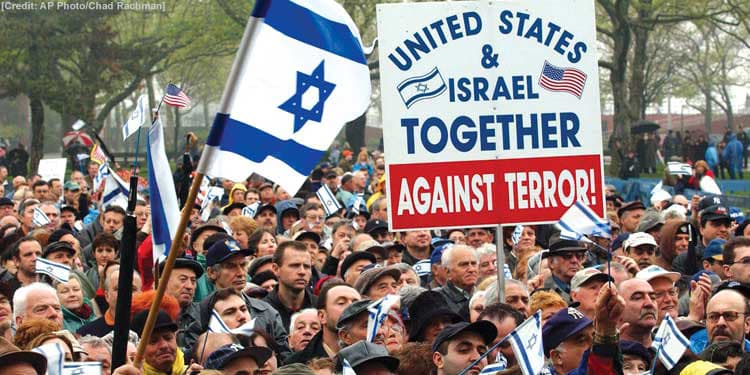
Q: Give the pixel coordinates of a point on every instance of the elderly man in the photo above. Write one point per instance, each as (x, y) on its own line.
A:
(333, 299)
(36, 300)
(26, 215)
(181, 286)
(97, 350)
(352, 325)
(53, 214)
(585, 287)
(162, 356)
(727, 319)
(567, 335)
(665, 292)
(565, 258)
(15, 361)
(304, 325)
(462, 272)
(476, 237)
(487, 261)
(630, 216)
(375, 283)
(641, 247)
(105, 324)
(226, 265)
(461, 344)
(354, 264)
(640, 314)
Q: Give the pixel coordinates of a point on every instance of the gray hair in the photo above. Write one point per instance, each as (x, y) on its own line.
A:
(447, 258)
(404, 268)
(21, 297)
(491, 292)
(486, 249)
(409, 293)
(95, 342)
(296, 315)
(132, 338)
(106, 279)
(50, 204)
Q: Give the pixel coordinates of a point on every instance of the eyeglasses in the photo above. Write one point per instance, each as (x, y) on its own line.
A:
(744, 261)
(729, 316)
(580, 255)
(671, 292)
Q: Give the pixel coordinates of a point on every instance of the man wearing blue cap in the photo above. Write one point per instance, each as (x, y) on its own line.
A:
(437, 270)
(226, 265)
(713, 260)
(567, 334)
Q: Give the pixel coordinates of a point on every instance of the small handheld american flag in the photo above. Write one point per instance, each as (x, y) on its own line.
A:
(568, 80)
(176, 97)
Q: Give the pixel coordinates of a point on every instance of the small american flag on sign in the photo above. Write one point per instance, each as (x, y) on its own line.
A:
(97, 154)
(176, 97)
(568, 80)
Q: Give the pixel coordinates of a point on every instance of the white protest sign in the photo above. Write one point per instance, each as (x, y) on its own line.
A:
(490, 111)
(52, 168)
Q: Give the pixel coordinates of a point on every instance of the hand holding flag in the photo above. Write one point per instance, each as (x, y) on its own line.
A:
(669, 342)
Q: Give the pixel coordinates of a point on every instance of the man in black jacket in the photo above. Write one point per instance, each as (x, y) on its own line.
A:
(293, 265)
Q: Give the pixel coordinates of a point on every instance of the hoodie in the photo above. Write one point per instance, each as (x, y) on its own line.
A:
(732, 153)
(281, 207)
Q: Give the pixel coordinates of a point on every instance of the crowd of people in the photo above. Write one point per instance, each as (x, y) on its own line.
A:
(725, 158)
(291, 285)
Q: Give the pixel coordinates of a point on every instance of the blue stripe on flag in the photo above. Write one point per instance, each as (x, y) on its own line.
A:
(233, 136)
(160, 227)
(587, 211)
(525, 356)
(298, 22)
(113, 194)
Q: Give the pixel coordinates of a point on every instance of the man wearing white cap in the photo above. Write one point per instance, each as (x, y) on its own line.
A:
(641, 247)
(584, 289)
(665, 292)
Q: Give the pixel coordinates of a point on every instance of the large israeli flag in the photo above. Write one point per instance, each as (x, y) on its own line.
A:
(526, 341)
(137, 117)
(580, 220)
(115, 192)
(165, 211)
(300, 74)
(669, 342)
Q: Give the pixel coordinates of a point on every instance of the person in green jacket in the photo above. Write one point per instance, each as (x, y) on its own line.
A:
(77, 309)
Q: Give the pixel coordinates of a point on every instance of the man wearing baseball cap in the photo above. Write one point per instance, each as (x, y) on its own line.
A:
(584, 288)
(567, 335)
(630, 216)
(6, 207)
(460, 344)
(234, 359)
(226, 265)
(352, 324)
(641, 247)
(714, 223)
(367, 358)
(665, 291)
(713, 260)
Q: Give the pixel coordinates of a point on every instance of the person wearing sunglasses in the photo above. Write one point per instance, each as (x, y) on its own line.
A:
(565, 258)
(641, 247)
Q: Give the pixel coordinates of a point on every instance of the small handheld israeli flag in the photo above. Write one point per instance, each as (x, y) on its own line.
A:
(579, 220)
(679, 169)
(101, 176)
(115, 192)
(82, 368)
(526, 341)
(669, 342)
(217, 325)
(39, 219)
(213, 193)
(330, 204)
(422, 268)
(516, 237)
(346, 368)
(378, 312)
(55, 357)
(493, 368)
(137, 117)
(250, 210)
(57, 271)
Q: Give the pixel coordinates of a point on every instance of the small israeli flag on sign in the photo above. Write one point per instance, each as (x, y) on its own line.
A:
(422, 268)
(421, 87)
(57, 271)
(250, 210)
(39, 219)
(517, 234)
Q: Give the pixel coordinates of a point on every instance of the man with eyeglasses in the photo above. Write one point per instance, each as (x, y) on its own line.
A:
(727, 319)
(313, 218)
(665, 292)
(565, 258)
(641, 247)
(736, 258)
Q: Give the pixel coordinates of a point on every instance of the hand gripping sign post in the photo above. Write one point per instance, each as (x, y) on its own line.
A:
(490, 112)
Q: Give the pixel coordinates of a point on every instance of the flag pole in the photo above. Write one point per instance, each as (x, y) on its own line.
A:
(227, 100)
(500, 260)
